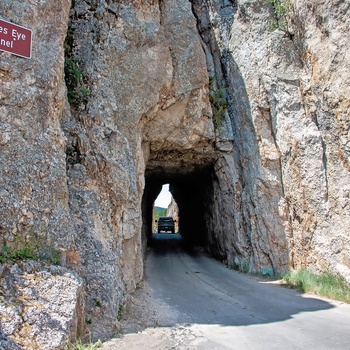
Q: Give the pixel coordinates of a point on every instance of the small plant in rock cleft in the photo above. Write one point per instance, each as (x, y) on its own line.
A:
(218, 102)
(74, 78)
(282, 9)
(88, 321)
(120, 312)
(97, 303)
(29, 248)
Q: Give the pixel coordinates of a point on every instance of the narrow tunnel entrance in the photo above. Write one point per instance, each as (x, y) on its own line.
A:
(192, 193)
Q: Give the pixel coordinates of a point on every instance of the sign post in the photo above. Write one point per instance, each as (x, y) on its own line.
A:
(15, 39)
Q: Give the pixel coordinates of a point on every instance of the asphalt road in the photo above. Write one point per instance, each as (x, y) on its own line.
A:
(208, 306)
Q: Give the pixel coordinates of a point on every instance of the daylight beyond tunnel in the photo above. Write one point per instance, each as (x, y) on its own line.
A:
(192, 193)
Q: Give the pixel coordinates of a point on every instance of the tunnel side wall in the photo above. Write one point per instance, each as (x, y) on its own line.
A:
(281, 196)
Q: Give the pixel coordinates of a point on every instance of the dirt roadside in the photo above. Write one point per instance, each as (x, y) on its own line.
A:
(147, 323)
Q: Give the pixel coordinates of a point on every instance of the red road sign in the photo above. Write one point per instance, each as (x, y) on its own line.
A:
(15, 39)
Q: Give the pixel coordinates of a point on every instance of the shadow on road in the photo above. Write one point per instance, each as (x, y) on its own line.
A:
(202, 290)
(190, 301)
(164, 243)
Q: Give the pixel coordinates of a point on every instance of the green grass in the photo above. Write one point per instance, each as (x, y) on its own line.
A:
(219, 104)
(325, 284)
(33, 249)
(77, 94)
(218, 100)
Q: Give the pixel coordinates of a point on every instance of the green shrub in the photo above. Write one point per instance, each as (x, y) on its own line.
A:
(73, 73)
(120, 312)
(77, 94)
(242, 266)
(325, 284)
(73, 77)
(282, 10)
(69, 41)
(218, 102)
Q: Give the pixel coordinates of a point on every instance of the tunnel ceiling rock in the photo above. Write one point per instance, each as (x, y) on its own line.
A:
(178, 129)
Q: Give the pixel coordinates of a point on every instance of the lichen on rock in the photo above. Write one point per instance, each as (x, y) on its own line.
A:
(41, 306)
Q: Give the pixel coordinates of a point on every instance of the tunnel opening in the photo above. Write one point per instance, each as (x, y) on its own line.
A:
(192, 193)
(165, 212)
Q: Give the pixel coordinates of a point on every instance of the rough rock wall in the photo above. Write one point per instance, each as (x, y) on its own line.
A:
(33, 185)
(284, 188)
(34, 313)
(148, 108)
(173, 211)
(248, 223)
(322, 33)
(74, 174)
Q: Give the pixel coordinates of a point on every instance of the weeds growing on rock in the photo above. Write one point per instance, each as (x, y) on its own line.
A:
(120, 312)
(218, 102)
(79, 345)
(77, 93)
(88, 321)
(31, 248)
(242, 266)
(73, 76)
(282, 10)
(325, 284)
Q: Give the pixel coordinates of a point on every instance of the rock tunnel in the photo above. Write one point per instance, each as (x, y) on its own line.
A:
(267, 191)
(192, 193)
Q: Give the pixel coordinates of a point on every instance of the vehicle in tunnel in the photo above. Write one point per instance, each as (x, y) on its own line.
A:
(192, 193)
(166, 224)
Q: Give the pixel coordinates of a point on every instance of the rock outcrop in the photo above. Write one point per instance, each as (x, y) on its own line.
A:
(41, 306)
(33, 190)
(321, 206)
(148, 108)
(284, 191)
(248, 125)
(173, 211)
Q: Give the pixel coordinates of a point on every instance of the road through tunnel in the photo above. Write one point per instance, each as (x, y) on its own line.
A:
(191, 191)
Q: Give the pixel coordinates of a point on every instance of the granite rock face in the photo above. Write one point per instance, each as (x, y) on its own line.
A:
(148, 110)
(325, 90)
(33, 184)
(250, 126)
(284, 188)
(41, 306)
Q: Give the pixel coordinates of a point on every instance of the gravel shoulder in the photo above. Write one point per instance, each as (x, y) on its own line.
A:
(146, 323)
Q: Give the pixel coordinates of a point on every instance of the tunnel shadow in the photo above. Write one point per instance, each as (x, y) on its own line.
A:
(162, 244)
(200, 290)
(189, 191)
